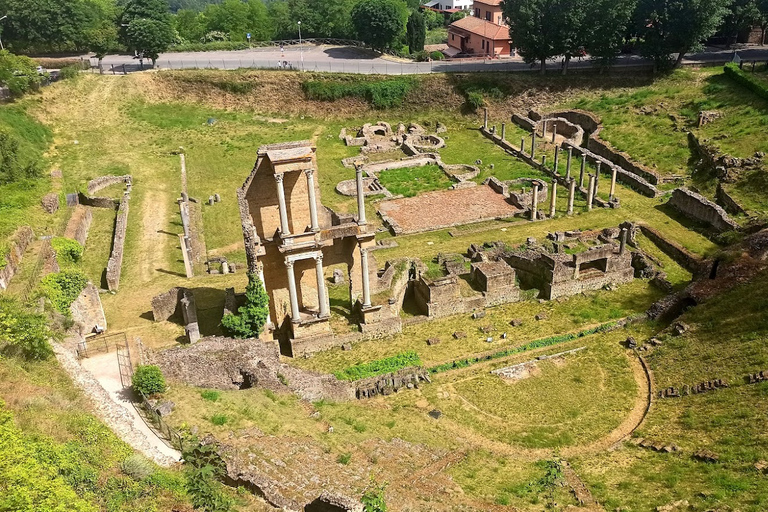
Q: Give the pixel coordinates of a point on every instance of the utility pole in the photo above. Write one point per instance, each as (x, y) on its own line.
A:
(301, 48)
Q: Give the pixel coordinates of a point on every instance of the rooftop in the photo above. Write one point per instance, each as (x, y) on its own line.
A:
(482, 28)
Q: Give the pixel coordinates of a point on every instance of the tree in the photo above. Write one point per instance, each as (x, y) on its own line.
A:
(741, 15)
(24, 332)
(148, 29)
(433, 19)
(531, 29)
(102, 40)
(608, 22)
(676, 26)
(379, 23)
(190, 25)
(415, 32)
(568, 21)
(762, 7)
(19, 74)
(251, 317)
(458, 15)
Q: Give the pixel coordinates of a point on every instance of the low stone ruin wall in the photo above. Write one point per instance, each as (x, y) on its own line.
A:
(526, 123)
(728, 203)
(87, 311)
(19, 243)
(623, 160)
(588, 121)
(101, 182)
(97, 202)
(677, 252)
(79, 224)
(697, 207)
(391, 382)
(115, 263)
(166, 305)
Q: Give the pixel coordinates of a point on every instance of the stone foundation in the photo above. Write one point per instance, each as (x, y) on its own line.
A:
(115, 263)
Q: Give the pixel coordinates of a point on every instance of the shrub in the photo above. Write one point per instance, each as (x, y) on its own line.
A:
(137, 467)
(23, 331)
(210, 395)
(219, 419)
(437, 55)
(148, 380)
(421, 56)
(736, 74)
(344, 458)
(62, 288)
(380, 94)
(380, 366)
(205, 466)
(13, 168)
(475, 100)
(373, 497)
(18, 73)
(69, 72)
(67, 250)
(250, 318)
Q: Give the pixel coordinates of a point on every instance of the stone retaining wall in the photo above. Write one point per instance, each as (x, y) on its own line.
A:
(728, 203)
(101, 182)
(79, 224)
(621, 159)
(19, 243)
(115, 263)
(698, 207)
(391, 382)
(677, 252)
(97, 202)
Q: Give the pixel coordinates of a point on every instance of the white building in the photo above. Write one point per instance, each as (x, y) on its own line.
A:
(449, 5)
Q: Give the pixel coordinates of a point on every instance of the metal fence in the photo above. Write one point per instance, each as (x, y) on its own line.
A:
(103, 343)
(159, 425)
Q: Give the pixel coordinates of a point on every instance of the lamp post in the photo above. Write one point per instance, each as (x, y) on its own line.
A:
(301, 48)
(1, 39)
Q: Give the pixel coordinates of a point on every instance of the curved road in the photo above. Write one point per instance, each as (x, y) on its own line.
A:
(338, 59)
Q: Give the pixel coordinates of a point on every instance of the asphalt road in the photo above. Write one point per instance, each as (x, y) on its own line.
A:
(355, 60)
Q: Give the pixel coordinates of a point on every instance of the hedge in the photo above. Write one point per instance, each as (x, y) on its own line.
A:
(380, 366)
(738, 75)
(380, 94)
(544, 342)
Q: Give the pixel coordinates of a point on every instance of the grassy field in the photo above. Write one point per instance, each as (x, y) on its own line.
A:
(411, 182)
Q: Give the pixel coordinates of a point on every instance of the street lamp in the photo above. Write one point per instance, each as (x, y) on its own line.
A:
(1, 39)
(301, 48)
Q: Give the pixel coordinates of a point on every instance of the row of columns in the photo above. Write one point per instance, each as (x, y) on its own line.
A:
(279, 179)
(322, 297)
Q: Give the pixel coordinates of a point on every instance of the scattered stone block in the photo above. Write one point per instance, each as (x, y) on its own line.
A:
(504, 336)
(478, 314)
(679, 328)
(50, 202)
(433, 341)
(435, 413)
(489, 339)
(706, 456)
(346, 346)
(515, 322)
(541, 316)
(631, 343)
(762, 466)
(210, 200)
(655, 342)
(338, 276)
(486, 329)
(217, 197)
(164, 408)
(459, 334)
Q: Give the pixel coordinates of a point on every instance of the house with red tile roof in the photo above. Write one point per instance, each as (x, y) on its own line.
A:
(483, 33)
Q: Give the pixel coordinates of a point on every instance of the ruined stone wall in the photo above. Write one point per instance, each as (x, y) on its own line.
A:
(532, 268)
(526, 123)
(166, 305)
(98, 202)
(440, 297)
(101, 182)
(18, 245)
(87, 311)
(588, 121)
(189, 312)
(677, 252)
(79, 224)
(623, 160)
(391, 382)
(728, 203)
(595, 281)
(698, 207)
(115, 263)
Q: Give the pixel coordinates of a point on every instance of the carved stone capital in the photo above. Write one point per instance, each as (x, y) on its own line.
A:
(279, 178)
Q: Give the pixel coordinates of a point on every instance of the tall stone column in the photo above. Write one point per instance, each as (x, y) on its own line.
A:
(322, 297)
(261, 277)
(284, 230)
(310, 173)
(535, 201)
(553, 199)
(543, 129)
(294, 299)
(613, 183)
(590, 192)
(623, 245)
(360, 195)
(557, 158)
(583, 169)
(533, 144)
(366, 279)
(554, 132)
(503, 131)
(571, 195)
(485, 119)
(522, 145)
(568, 163)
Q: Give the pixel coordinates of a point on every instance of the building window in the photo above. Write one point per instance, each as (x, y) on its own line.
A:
(477, 12)
(453, 37)
(487, 15)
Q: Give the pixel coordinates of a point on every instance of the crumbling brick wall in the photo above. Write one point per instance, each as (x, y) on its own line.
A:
(115, 263)
(698, 207)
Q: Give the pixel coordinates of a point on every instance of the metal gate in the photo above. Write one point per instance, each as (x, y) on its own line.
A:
(124, 362)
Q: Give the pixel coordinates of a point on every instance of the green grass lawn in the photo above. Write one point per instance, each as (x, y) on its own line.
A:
(413, 181)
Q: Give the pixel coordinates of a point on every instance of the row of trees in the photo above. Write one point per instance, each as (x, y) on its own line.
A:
(665, 29)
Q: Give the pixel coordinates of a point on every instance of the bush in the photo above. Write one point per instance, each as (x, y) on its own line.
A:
(23, 331)
(67, 250)
(12, 167)
(210, 46)
(62, 288)
(205, 466)
(148, 380)
(344, 458)
(381, 93)
(475, 100)
(421, 56)
(18, 73)
(373, 497)
(210, 395)
(380, 366)
(736, 74)
(137, 467)
(437, 55)
(69, 72)
(250, 318)
(219, 419)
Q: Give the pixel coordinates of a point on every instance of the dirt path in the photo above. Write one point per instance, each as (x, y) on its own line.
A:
(154, 218)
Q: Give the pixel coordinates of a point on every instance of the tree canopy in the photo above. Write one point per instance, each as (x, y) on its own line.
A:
(380, 23)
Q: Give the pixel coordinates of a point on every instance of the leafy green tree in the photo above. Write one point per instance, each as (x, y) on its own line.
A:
(531, 29)
(762, 7)
(742, 14)
(148, 380)
(415, 32)
(251, 317)
(380, 23)
(147, 27)
(458, 15)
(569, 23)
(190, 25)
(433, 19)
(24, 332)
(676, 26)
(607, 23)
(19, 74)
(102, 39)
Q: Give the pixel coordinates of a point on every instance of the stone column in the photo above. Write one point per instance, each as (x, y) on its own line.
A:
(583, 168)
(568, 164)
(613, 183)
(544, 161)
(571, 195)
(522, 145)
(623, 245)
(485, 120)
(366, 282)
(503, 131)
(322, 297)
(554, 132)
(310, 173)
(543, 129)
(360, 195)
(535, 201)
(533, 144)
(557, 158)
(553, 199)
(295, 315)
(590, 191)
(261, 278)
(284, 230)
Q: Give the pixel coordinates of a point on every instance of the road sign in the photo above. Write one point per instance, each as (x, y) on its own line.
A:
(248, 35)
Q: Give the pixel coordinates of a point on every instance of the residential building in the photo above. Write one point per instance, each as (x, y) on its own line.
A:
(483, 33)
(449, 6)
